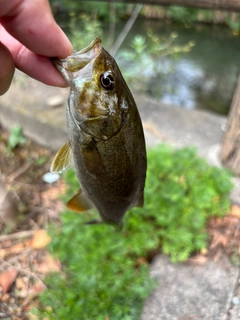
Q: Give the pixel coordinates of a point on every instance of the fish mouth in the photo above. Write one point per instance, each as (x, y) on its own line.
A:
(96, 45)
(78, 60)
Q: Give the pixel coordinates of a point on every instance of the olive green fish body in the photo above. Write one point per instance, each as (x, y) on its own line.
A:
(106, 140)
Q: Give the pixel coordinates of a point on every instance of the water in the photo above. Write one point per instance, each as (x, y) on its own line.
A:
(206, 77)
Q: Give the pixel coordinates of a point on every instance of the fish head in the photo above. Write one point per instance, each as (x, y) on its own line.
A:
(96, 85)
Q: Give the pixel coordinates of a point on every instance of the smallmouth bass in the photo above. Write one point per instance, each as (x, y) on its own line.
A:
(106, 142)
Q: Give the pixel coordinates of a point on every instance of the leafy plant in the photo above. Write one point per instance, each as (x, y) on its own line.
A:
(15, 137)
(105, 272)
(147, 54)
(182, 192)
(41, 160)
(233, 22)
(184, 14)
(83, 29)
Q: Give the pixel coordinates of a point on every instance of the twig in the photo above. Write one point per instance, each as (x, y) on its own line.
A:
(19, 171)
(126, 29)
(27, 272)
(112, 24)
(17, 235)
(32, 296)
(14, 259)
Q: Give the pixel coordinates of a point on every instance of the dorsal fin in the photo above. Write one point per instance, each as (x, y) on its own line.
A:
(63, 159)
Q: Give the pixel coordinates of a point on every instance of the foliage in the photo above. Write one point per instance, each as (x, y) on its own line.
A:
(182, 192)
(100, 9)
(81, 6)
(83, 29)
(185, 15)
(189, 16)
(15, 138)
(144, 52)
(105, 271)
(102, 278)
(147, 54)
(234, 23)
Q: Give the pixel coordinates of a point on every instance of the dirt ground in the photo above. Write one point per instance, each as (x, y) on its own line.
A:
(28, 204)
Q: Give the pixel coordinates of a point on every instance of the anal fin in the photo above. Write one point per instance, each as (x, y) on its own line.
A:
(79, 203)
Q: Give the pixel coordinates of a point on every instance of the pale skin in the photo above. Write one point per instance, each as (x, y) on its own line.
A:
(29, 37)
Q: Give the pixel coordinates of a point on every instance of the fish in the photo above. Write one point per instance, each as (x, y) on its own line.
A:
(106, 144)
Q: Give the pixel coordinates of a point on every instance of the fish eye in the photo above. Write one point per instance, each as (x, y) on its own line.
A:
(107, 81)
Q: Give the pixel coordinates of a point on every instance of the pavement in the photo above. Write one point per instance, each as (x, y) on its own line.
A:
(185, 291)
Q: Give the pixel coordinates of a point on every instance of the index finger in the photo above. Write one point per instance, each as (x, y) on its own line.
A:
(36, 66)
(31, 22)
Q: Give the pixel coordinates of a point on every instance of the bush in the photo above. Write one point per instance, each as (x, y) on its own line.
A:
(182, 192)
(105, 271)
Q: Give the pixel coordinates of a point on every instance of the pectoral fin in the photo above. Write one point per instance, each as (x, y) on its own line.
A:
(79, 203)
(63, 159)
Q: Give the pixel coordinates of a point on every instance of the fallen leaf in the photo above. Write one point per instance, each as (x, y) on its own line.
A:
(142, 261)
(199, 259)
(7, 278)
(36, 290)
(20, 284)
(49, 264)
(38, 287)
(15, 249)
(32, 316)
(204, 251)
(23, 293)
(52, 193)
(5, 297)
(235, 211)
(2, 253)
(40, 239)
(218, 240)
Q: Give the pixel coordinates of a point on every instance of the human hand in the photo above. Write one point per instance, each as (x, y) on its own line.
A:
(29, 36)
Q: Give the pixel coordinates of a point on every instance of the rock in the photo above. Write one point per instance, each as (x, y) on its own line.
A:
(6, 280)
(50, 177)
(235, 301)
(55, 101)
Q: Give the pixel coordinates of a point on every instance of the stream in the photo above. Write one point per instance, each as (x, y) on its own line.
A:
(205, 78)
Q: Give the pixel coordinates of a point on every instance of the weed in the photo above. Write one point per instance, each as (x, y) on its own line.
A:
(41, 160)
(15, 138)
